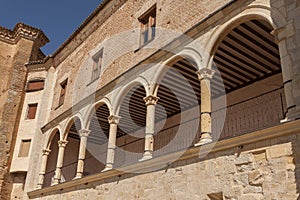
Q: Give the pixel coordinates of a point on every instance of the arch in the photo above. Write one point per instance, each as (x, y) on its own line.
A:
(190, 53)
(69, 123)
(51, 135)
(138, 81)
(93, 108)
(258, 12)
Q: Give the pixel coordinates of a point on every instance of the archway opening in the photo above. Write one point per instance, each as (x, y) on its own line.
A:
(97, 141)
(178, 111)
(52, 159)
(249, 64)
(68, 170)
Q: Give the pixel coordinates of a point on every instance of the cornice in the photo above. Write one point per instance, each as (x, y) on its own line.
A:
(22, 30)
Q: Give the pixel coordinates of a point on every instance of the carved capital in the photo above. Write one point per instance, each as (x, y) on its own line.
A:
(62, 143)
(151, 100)
(205, 73)
(84, 132)
(46, 152)
(277, 34)
(113, 119)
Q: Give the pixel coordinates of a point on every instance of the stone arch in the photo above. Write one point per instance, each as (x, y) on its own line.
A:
(69, 123)
(93, 108)
(138, 81)
(50, 136)
(258, 12)
(189, 53)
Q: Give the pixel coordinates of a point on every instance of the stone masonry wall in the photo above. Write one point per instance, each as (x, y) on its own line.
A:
(263, 170)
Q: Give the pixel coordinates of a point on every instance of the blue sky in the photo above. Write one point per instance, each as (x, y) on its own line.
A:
(58, 19)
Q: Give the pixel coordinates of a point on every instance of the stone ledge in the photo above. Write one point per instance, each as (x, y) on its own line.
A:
(193, 152)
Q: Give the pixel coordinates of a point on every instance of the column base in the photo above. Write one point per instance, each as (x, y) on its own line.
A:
(203, 141)
(107, 169)
(77, 177)
(146, 156)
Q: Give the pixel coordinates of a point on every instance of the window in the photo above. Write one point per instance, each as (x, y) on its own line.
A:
(24, 148)
(35, 85)
(31, 110)
(148, 23)
(63, 88)
(97, 62)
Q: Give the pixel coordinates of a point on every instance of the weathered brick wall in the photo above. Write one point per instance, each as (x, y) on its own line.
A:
(176, 15)
(11, 103)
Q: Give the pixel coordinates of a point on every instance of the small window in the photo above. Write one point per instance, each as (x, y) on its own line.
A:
(63, 88)
(32, 111)
(35, 85)
(24, 148)
(148, 24)
(97, 62)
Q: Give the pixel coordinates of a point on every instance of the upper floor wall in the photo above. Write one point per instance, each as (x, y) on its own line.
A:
(119, 38)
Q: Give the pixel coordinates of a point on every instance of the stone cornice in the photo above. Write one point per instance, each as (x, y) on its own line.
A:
(23, 31)
(284, 129)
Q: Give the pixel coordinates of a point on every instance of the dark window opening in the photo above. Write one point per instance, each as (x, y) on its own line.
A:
(31, 111)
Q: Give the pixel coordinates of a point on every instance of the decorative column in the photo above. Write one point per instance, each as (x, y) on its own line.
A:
(150, 101)
(287, 73)
(113, 120)
(83, 133)
(45, 155)
(60, 158)
(205, 75)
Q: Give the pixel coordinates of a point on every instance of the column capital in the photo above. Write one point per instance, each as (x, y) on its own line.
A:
(62, 143)
(46, 152)
(113, 119)
(278, 34)
(84, 132)
(151, 100)
(205, 73)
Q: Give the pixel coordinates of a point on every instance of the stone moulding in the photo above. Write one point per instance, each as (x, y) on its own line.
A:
(23, 31)
(284, 129)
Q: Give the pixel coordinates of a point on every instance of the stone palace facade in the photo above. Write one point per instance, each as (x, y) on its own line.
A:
(155, 99)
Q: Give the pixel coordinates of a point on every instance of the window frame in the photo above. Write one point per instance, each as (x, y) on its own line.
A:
(62, 94)
(29, 106)
(97, 65)
(148, 26)
(21, 153)
(35, 81)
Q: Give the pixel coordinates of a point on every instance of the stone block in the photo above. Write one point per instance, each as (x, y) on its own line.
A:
(256, 177)
(244, 159)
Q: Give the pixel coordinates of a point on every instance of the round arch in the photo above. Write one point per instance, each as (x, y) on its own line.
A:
(121, 95)
(69, 123)
(94, 107)
(51, 135)
(189, 53)
(254, 12)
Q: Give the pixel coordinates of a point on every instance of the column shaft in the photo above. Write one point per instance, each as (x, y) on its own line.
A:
(82, 150)
(110, 158)
(150, 126)
(60, 158)
(45, 155)
(205, 76)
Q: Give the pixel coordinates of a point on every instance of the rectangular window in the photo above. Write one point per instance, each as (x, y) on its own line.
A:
(35, 85)
(31, 110)
(148, 24)
(63, 88)
(97, 62)
(24, 148)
